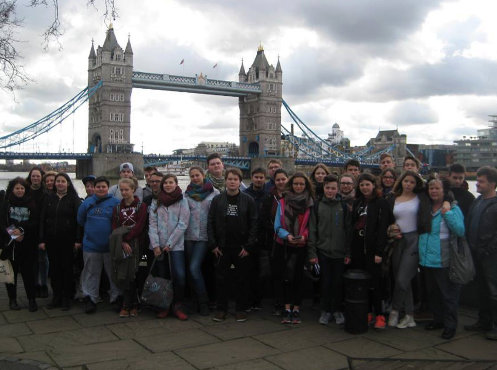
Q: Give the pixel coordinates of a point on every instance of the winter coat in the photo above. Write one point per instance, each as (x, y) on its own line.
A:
(280, 224)
(199, 214)
(486, 243)
(95, 215)
(431, 252)
(167, 225)
(58, 219)
(328, 228)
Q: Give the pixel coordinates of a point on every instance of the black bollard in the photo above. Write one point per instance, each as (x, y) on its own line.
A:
(356, 300)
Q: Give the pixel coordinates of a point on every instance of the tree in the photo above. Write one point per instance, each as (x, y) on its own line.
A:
(12, 74)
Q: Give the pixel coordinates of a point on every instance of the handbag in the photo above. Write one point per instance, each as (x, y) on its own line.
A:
(6, 272)
(157, 291)
(461, 267)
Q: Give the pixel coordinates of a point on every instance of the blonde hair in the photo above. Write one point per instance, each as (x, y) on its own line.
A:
(133, 183)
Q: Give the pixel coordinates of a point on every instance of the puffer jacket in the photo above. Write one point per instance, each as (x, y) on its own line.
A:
(167, 225)
(199, 213)
(431, 252)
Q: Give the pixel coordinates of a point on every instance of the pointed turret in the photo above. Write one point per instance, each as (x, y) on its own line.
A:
(242, 70)
(92, 55)
(128, 46)
(278, 66)
(110, 42)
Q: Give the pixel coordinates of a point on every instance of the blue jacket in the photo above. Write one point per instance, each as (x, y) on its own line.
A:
(95, 215)
(431, 254)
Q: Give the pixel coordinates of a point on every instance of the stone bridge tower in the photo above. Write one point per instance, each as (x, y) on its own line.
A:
(110, 109)
(260, 114)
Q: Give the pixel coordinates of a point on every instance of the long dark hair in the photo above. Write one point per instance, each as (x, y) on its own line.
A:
(397, 188)
(28, 179)
(308, 184)
(13, 183)
(316, 167)
(70, 187)
(367, 177)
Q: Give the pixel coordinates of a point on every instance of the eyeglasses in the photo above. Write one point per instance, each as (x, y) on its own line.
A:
(347, 183)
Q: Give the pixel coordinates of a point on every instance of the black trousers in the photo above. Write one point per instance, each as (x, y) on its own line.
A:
(241, 278)
(443, 296)
(24, 262)
(332, 270)
(61, 267)
(486, 279)
(288, 263)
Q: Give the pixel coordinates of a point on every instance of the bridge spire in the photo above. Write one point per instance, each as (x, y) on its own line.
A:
(242, 76)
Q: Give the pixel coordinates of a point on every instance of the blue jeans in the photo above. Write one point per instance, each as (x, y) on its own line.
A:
(177, 273)
(195, 255)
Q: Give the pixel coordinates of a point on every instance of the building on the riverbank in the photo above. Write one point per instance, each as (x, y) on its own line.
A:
(481, 150)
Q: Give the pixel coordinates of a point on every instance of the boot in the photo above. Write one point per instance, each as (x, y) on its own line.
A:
(56, 302)
(13, 304)
(66, 304)
(33, 307)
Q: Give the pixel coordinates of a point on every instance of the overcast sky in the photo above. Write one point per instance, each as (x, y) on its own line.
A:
(426, 67)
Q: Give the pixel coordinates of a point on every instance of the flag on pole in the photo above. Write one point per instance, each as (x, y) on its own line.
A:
(182, 61)
(214, 66)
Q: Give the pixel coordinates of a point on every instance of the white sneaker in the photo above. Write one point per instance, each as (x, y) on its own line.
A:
(324, 319)
(339, 319)
(406, 322)
(393, 318)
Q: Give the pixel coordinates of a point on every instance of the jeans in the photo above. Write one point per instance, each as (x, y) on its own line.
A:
(195, 255)
(443, 295)
(92, 271)
(25, 265)
(332, 270)
(177, 272)
(223, 274)
(405, 259)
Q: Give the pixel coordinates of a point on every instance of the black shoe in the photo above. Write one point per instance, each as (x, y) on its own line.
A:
(66, 304)
(13, 305)
(33, 307)
(491, 334)
(204, 309)
(448, 333)
(433, 325)
(56, 302)
(477, 326)
(90, 306)
(43, 291)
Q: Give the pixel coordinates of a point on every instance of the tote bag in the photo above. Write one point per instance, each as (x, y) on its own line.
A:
(157, 291)
(6, 272)
(461, 267)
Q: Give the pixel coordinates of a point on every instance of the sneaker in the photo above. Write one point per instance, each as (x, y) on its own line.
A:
(324, 319)
(380, 322)
(370, 319)
(133, 312)
(90, 306)
(286, 317)
(393, 318)
(296, 317)
(162, 314)
(406, 322)
(241, 316)
(180, 313)
(339, 318)
(124, 313)
(220, 316)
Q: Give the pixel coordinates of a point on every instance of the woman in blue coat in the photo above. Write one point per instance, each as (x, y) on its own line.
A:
(447, 223)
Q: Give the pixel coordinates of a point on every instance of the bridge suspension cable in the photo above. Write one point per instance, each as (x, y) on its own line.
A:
(50, 121)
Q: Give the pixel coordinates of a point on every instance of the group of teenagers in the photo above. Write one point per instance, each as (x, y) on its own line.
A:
(220, 237)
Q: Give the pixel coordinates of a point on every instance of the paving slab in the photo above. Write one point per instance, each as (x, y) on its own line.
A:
(231, 329)
(51, 325)
(475, 347)
(224, 353)
(387, 364)
(168, 341)
(38, 356)
(14, 330)
(152, 362)
(315, 358)
(260, 364)
(23, 316)
(102, 317)
(405, 339)
(295, 338)
(80, 355)
(42, 342)
(363, 347)
(9, 345)
(2, 319)
(427, 354)
(127, 329)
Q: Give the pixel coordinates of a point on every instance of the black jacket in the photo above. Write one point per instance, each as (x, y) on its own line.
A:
(377, 222)
(58, 219)
(464, 199)
(486, 244)
(216, 223)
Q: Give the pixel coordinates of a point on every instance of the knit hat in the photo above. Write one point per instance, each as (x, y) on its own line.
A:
(126, 165)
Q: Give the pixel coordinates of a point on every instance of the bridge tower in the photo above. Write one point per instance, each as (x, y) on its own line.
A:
(110, 107)
(260, 114)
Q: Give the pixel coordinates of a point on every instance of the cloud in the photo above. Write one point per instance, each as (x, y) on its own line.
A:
(412, 113)
(459, 35)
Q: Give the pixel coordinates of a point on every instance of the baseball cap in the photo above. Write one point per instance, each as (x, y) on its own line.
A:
(126, 165)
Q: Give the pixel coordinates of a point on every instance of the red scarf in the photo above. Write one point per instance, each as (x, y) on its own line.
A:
(166, 199)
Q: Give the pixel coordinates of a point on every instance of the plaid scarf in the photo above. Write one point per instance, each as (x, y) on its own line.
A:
(166, 199)
(218, 182)
(295, 205)
(199, 192)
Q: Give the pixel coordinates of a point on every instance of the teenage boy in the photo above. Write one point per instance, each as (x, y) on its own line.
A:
(327, 239)
(386, 161)
(347, 189)
(215, 168)
(256, 191)
(126, 171)
(457, 174)
(482, 237)
(352, 167)
(95, 216)
(89, 183)
(411, 164)
(272, 166)
(232, 232)
(148, 171)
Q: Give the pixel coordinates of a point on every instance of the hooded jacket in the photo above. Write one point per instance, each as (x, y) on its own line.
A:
(167, 225)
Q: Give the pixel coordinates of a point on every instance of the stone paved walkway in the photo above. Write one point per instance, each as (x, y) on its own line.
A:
(73, 340)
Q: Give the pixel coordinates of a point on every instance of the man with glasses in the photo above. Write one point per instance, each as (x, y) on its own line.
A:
(347, 189)
(272, 166)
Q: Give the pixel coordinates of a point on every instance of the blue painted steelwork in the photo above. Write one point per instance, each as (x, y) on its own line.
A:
(14, 155)
(48, 122)
(242, 163)
(198, 84)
